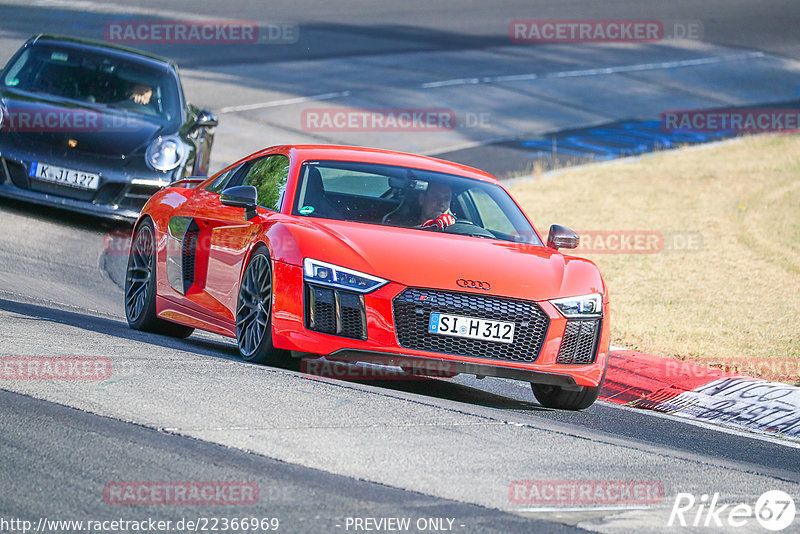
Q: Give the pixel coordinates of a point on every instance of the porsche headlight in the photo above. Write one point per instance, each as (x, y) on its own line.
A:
(327, 274)
(583, 307)
(165, 153)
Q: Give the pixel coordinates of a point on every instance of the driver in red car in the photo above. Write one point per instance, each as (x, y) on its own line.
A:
(435, 206)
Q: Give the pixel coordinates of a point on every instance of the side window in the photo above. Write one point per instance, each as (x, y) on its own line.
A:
(268, 175)
(219, 184)
(490, 213)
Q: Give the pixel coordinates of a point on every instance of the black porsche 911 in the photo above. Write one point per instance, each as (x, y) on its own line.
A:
(95, 128)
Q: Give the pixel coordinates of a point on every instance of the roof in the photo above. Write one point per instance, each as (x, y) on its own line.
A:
(77, 42)
(380, 156)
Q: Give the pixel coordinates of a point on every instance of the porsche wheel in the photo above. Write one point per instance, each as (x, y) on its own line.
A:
(254, 312)
(140, 286)
(561, 399)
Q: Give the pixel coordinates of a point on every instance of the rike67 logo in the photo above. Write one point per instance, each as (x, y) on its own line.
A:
(774, 510)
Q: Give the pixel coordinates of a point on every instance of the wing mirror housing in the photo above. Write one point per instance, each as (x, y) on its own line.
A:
(241, 196)
(562, 237)
(206, 119)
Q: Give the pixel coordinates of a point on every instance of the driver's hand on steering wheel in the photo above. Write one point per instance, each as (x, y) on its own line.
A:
(141, 94)
(441, 222)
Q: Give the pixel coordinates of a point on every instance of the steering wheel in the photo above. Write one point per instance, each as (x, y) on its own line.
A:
(467, 227)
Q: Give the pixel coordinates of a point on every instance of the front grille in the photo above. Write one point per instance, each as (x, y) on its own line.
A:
(335, 311)
(579, 344)
(413, 308)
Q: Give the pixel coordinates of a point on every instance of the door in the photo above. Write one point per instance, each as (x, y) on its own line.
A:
(223, 236)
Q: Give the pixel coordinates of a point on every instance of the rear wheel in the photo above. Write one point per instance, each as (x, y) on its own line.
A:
(561, 399)
(140, 286)
(254, 312)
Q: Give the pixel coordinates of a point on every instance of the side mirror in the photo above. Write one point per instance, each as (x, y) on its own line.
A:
(562, 237)
(241, 196)
(206, 119)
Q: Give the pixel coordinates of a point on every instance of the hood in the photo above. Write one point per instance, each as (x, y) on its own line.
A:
(421, 258)
(46, 122)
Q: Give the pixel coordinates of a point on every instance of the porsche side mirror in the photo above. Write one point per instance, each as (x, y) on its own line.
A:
(241, 196)
(206, 119)
(562, 237)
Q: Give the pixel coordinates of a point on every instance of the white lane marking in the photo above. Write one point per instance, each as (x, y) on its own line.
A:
(515, 78)
(284, 102)
(597, 71)
(707, 426)
(579, 509)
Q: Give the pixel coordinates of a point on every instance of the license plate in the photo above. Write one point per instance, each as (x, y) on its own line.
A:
(471, 327)
(64, 176)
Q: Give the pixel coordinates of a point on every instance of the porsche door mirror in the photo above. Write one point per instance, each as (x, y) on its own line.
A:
(241, 196)
(562, 237)
(206, 119)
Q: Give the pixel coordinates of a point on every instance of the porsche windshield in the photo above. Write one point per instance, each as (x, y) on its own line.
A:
(410, 198)
(96, 79)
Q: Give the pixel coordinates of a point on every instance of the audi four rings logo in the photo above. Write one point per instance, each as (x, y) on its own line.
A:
(474, 284)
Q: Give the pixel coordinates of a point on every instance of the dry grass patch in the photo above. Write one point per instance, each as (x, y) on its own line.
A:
(735, 303)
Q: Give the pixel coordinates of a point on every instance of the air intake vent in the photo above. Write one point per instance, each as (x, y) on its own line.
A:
(189, 254)
(335, 311)
(579, 344)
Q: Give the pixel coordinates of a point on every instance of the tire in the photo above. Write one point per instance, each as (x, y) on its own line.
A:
(561, 399)
(254, 312)
(140, 286)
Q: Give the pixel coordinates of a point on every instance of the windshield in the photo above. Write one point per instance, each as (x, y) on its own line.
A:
(405, 197)
(94, 78)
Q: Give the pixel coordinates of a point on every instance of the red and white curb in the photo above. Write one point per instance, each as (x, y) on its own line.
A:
(687, 390)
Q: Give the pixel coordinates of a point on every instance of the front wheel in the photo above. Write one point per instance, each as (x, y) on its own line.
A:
(561, 399)
(254, 313)
(140, 286)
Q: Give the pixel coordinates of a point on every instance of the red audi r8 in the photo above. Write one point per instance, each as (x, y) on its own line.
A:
(337, 251)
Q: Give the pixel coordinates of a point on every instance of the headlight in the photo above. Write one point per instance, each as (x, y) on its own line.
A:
(586, 306)
(328, 274)
(165, 153)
